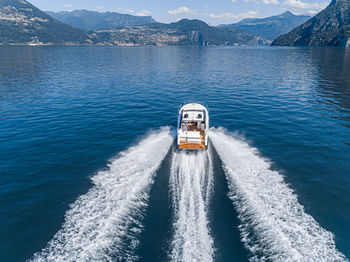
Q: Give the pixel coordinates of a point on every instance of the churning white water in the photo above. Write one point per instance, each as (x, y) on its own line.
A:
(191, 181)
(274, 226)
(105, 223)
(100, 221)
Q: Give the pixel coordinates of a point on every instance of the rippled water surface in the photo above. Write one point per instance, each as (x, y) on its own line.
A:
(88, 172)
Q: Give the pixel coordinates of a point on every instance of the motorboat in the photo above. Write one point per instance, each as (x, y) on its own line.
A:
(193, 127)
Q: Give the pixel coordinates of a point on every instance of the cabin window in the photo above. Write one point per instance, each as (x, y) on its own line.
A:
(199, 116)
(185, 115)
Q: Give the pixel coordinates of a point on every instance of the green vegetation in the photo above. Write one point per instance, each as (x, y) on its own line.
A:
(331, 27)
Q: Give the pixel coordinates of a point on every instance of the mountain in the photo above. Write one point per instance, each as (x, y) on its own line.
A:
(91, 20)
(270, 27)
(23, 23)
(330, 27)
(184, 32)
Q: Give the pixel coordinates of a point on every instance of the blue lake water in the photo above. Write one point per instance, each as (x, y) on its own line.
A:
(88, 174)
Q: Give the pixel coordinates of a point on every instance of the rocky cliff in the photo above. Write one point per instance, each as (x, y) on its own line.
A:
(331, 27)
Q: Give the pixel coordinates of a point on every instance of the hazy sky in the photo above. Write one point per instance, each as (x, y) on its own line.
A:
(211, 11)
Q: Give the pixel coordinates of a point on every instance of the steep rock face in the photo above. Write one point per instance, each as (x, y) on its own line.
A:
(331, 27)
(270, 27)
(91, 20)
(23, 23)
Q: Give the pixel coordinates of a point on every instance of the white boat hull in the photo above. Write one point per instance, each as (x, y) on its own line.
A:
(193, 127)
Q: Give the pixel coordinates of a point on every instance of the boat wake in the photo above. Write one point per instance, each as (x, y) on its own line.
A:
(274, 226)
(191, 182)
(104, 224)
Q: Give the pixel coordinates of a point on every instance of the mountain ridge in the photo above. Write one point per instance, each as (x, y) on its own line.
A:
(330, 27)
(23, 23)
(93, 20)
(270, 27)
(184, 32)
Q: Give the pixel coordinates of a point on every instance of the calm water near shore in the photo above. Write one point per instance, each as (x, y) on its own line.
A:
(68, 112)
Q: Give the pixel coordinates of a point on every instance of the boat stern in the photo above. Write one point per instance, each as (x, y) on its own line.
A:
(191, 141)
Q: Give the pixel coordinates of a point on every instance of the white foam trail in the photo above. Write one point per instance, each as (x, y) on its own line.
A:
(191, 181)
(274, 225)
(99, 221)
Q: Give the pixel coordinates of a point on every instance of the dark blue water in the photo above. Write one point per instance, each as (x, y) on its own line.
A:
(66, 112)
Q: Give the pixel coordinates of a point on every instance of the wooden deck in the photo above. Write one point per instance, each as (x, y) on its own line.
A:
(184, 144)
(202, 135)
(191, 146)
